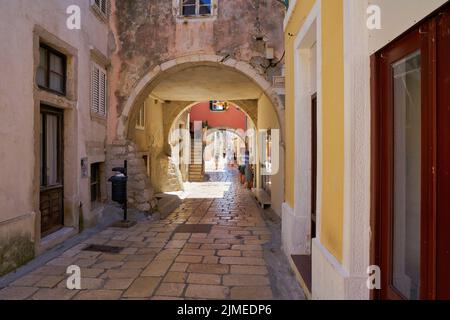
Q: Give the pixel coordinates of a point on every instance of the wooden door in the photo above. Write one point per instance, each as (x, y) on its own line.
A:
(51, 170)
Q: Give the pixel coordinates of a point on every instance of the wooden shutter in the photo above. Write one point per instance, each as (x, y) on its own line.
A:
(95, 84)
(98, 90)
(102, 93)
(102, 7)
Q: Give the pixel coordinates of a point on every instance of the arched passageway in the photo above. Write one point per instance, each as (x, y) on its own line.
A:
(163, 100)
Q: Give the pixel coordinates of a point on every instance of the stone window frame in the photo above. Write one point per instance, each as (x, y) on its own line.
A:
(177, 9)
(68, 104)
(43, 37)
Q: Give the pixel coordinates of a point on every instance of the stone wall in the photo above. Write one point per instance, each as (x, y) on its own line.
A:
(140, 191)
(149, 33)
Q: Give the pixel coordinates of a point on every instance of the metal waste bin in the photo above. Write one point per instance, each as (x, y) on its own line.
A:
(119, 187)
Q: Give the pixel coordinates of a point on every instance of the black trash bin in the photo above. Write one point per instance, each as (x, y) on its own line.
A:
(119, 187)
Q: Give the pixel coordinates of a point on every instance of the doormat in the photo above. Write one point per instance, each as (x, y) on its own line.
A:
(194, 228)
(101, 248)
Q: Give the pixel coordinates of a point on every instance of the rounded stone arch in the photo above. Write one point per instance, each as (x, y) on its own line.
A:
(146, 85)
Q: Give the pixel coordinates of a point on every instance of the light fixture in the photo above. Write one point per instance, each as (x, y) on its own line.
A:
(218, 106)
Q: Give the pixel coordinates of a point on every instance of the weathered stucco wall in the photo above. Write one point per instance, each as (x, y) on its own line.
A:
(22, 22)
(149, 33)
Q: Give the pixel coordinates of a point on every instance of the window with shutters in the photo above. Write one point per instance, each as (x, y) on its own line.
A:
(101, 8)
(98, 90)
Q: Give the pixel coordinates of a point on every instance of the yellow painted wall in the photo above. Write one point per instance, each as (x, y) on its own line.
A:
(332, 194)
(301, 11)
(140, 140)
(332, 213)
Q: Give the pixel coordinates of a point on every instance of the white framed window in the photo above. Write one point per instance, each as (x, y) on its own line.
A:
(101, 7)
(196, 8)
(140, 118)
(98, 90)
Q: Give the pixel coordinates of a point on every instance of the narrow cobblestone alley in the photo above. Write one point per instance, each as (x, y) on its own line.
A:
(238, 258)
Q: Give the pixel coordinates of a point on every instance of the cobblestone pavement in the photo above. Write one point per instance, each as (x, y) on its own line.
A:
(156, 262)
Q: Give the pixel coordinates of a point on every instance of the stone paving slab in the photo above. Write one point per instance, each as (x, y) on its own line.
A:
(227, 262)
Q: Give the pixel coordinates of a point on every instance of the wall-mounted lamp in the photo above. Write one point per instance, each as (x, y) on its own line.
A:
(270, 53)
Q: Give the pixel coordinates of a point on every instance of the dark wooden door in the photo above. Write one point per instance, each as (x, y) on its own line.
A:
(443, 157)
(51, 170)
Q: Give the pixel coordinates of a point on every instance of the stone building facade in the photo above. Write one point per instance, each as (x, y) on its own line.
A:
(69, 97)
(53, 180)
(166, 55)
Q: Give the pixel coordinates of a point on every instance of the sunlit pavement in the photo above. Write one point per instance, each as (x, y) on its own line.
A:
(239, 258)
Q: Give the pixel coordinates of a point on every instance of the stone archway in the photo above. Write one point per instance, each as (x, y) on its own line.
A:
(145, 86)
(122, 147)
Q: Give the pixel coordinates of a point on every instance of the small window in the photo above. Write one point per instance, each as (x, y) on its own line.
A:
(193, 8)
(101, 7)
(98, 90)
(140, 119)
(218, 106)
(146, 164)
(51, 73)
(95, 183)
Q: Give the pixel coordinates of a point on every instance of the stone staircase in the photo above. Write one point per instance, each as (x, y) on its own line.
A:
(196, 168)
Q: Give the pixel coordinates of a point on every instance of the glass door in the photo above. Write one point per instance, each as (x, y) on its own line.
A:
(405, 165)
(443, 157)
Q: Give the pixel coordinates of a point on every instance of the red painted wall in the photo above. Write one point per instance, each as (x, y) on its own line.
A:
(232, 118)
